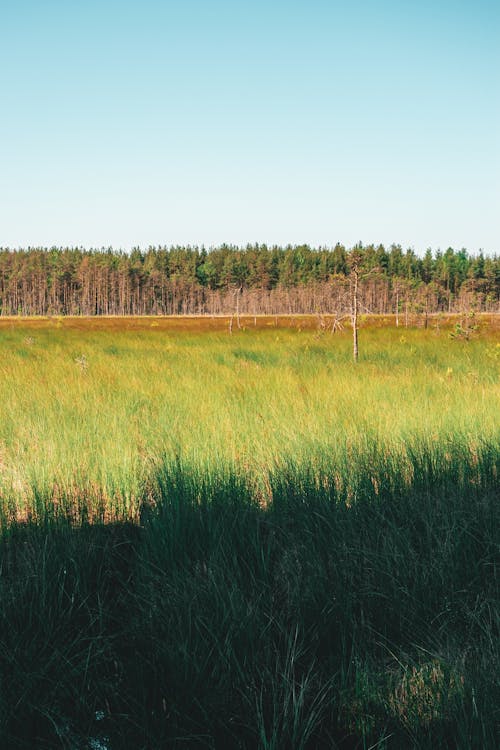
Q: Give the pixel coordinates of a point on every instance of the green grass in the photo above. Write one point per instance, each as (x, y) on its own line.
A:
(298, 552)
(96, 411)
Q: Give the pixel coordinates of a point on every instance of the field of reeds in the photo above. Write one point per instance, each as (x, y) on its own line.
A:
(220, 533)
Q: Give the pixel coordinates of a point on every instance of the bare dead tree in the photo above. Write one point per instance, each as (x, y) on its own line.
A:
(337, 324)
(355, 260)
(237, 293)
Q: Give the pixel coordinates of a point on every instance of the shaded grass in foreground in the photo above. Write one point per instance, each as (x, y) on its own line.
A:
(321, 620)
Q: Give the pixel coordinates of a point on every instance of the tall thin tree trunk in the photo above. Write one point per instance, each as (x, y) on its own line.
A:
(355, 314)
(238, 292)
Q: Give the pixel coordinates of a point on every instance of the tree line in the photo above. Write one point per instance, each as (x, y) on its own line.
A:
(256, 279)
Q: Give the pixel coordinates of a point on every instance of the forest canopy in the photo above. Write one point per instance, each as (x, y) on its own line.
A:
(260, 279)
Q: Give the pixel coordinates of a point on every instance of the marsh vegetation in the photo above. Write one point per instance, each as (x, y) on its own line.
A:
(215, 540)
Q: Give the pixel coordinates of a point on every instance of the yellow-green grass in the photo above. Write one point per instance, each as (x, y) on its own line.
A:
(89, 408)
(316, 563)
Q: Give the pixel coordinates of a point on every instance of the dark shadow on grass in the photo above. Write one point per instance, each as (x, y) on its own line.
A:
(319, 621)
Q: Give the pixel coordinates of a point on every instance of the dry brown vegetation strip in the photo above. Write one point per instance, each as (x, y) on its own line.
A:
(202, 323)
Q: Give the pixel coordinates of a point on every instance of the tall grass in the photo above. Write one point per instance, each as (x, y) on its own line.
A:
(312, 622)
(314, 555)
(96, 411)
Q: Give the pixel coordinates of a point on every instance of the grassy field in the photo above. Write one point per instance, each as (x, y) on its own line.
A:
(95, 406)
(247, 540)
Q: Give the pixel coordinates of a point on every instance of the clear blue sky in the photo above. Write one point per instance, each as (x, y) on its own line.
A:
(135, 123)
